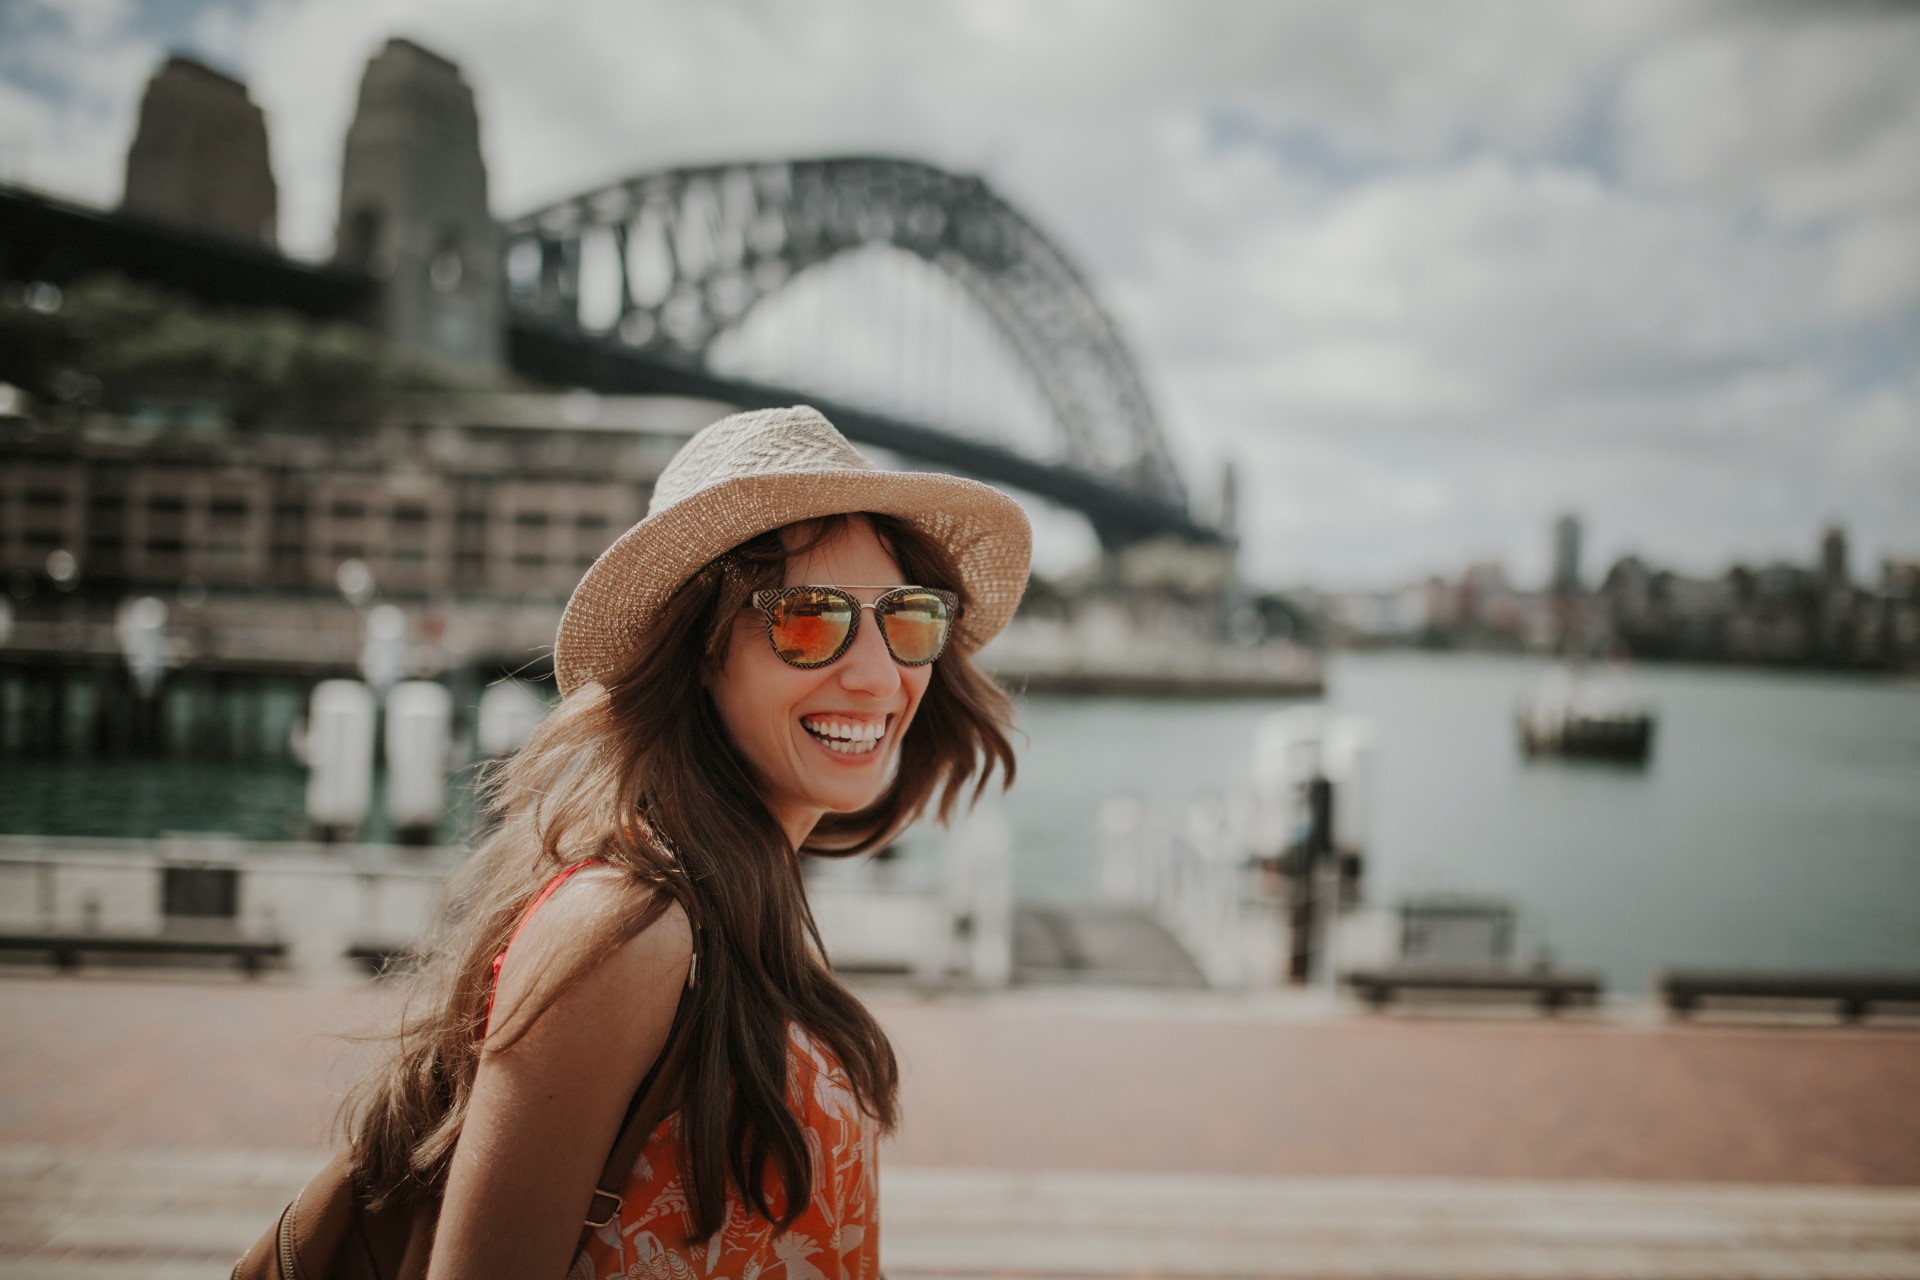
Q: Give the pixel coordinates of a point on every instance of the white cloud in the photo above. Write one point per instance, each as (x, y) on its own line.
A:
(1431, 272)
(1808, 114)
(74, 146)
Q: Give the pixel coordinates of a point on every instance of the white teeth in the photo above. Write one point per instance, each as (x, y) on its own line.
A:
(850, 738)
(847, 730)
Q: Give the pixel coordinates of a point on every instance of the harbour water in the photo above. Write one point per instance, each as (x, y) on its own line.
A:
(1777, 825)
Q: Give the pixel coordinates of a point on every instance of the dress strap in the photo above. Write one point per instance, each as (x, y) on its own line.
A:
(527, 915)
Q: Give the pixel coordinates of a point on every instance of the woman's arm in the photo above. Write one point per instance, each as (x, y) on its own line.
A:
(544, 1113)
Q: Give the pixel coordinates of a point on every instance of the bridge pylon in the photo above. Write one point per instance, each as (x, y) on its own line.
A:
(413, 209)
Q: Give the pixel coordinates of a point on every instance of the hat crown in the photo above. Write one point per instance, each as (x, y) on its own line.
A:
(764, 442)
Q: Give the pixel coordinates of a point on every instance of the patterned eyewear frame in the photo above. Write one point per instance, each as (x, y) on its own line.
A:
(774, 604)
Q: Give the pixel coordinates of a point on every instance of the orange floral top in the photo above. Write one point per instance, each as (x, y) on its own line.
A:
(838, 1236)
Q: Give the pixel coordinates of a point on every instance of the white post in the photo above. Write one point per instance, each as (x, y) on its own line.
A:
(339, 748)
(980, 862)
(509, 713)
(141, 628)
(419, 713)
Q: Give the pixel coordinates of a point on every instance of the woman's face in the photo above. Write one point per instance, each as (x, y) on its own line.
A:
(782, 718)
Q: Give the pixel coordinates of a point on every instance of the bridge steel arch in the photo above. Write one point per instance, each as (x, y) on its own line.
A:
(736, 234)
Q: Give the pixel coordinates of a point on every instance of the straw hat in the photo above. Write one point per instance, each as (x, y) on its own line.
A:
(752, 472)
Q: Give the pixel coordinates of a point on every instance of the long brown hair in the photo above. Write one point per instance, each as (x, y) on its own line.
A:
(642, 776)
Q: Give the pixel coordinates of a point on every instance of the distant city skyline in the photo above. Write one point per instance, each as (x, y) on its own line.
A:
(1429, 275)
(1830, 544)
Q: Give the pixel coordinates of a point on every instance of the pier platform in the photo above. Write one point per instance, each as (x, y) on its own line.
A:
(1056, 1132)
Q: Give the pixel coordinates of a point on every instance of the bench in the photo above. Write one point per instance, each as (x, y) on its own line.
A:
(66, 948)
(1554, 990)
(381, 957)
(1854, 993)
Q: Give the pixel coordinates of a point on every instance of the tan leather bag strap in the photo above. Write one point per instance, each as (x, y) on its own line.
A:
(649, 1107)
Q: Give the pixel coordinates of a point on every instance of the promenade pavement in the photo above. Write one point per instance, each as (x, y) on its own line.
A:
(150, 1125)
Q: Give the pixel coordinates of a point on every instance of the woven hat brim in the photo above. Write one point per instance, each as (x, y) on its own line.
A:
(614, 607)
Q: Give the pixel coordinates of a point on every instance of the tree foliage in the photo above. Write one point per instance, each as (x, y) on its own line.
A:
(115, 343)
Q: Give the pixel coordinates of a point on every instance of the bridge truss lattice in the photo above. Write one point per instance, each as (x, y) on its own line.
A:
(734, 235)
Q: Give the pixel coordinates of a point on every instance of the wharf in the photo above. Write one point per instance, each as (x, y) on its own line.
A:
(1113, 661)
(318, 906)
(1054, 1133)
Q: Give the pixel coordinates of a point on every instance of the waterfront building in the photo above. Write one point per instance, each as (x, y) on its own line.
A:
(474, 515)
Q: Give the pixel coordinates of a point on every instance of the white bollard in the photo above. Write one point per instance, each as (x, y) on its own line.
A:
(141, 627)
(509, 713)
(980, 868)
(1125, 877)
(419, 713)
(1212, 907)
(1286, 756)
(339, 757)
(1352, 763)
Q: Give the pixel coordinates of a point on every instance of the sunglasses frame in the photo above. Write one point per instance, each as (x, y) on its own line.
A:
(769, 598)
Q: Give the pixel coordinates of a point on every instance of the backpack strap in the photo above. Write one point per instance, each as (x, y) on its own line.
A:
(644, 1114)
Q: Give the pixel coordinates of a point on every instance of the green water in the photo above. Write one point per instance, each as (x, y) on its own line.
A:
(1778, 824)
(150, 798)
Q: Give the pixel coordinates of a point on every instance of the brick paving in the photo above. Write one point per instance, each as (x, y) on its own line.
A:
(1158, 1084)
(1046, 1127)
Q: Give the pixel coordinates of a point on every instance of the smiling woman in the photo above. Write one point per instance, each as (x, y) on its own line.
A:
(629, 964)
(820, 711)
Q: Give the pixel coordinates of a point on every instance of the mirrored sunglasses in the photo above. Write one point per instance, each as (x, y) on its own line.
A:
(813, 625)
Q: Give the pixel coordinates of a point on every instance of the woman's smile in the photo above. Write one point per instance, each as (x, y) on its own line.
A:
(854, 739)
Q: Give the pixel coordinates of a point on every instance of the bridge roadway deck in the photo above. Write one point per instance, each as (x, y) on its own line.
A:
(149, 1124)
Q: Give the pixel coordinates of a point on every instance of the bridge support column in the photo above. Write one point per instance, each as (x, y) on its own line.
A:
(413, 208)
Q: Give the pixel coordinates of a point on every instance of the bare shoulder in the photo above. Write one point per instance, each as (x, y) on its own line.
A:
(579, 953)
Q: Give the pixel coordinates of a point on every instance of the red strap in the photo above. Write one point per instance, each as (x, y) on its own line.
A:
(498, 960)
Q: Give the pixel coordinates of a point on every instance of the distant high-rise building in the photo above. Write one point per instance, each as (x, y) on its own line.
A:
(199, 155)
(413, 207)
(1834, 572)
(1566, 556)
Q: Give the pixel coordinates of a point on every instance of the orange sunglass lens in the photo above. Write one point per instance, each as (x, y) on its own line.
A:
(809, 626)
(916, 626)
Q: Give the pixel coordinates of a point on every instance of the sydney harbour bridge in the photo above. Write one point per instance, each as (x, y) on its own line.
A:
(918, 308)
(714, 244)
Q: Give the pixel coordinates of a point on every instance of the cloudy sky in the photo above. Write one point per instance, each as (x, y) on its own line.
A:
(1429, 273)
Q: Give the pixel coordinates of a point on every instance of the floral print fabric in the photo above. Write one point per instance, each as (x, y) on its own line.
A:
(836, 1238)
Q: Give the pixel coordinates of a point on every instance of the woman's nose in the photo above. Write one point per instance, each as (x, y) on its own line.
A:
(867, 667)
